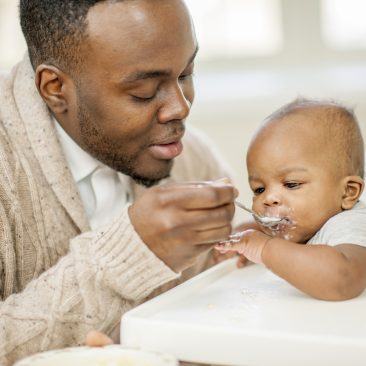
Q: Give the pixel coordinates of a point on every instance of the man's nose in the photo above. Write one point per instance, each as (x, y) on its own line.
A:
(175, 107)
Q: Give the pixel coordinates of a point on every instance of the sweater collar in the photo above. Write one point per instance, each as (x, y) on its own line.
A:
(45, 145)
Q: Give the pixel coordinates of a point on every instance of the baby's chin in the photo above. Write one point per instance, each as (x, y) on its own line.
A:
(290, 233)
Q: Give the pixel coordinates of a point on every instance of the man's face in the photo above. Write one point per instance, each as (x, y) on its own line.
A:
(291, 176)
(135, 89)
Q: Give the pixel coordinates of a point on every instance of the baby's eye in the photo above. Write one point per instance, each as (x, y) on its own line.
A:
(258, 190)
(292, 185)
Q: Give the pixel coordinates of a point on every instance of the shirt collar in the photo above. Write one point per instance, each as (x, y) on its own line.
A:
(80, 162)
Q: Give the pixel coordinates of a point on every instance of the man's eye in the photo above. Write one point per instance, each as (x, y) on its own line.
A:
(258, 190)
(143, 99)
(184, 77)
(292, 185)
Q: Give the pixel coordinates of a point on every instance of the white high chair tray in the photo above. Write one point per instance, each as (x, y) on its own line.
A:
(249, 316)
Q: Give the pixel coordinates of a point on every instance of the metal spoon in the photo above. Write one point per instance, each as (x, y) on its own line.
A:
(267, 221)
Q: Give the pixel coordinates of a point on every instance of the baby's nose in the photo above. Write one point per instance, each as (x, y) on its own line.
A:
(272, 199)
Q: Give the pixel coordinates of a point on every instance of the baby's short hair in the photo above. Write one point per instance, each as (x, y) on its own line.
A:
(342, 124)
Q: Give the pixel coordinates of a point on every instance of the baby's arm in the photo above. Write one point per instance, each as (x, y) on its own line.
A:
(322, 271)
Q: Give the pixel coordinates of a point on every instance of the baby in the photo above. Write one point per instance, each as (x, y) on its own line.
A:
(306, 165)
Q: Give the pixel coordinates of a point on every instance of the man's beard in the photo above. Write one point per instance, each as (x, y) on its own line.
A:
(146, 182)
(101, 149)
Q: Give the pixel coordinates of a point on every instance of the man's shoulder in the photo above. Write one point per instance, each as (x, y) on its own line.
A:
(3, 77)
(196, 140)
(7, 78)
(5, 84)
(200, 159)
(8, 150)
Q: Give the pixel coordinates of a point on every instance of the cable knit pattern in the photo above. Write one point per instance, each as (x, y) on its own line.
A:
(58, 279)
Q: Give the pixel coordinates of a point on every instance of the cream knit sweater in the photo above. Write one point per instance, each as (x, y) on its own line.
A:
(58, 279)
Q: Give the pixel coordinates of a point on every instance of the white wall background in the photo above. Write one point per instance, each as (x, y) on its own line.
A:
(321, 54)
(256, 55)
(230, 111)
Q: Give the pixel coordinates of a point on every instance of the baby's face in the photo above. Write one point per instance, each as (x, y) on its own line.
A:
(291, 177)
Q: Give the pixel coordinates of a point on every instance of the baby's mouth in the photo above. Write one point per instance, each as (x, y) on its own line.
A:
(283, 225)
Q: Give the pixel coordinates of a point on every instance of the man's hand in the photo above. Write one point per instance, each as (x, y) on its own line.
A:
(180, 221)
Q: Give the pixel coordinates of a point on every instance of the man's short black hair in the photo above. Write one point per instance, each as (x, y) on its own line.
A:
(55, 30)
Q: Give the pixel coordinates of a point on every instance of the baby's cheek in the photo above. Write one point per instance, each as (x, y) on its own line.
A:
(310, 225)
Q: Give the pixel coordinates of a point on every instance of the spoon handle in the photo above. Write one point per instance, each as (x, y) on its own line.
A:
(237, 203)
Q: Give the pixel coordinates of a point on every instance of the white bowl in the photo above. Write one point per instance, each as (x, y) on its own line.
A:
(114, 355)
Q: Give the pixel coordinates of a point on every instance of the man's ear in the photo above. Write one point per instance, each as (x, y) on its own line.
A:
(51, 84)
(353, 186)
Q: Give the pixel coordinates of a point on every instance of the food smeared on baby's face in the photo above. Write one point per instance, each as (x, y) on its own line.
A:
(278, 222)
(289, 174)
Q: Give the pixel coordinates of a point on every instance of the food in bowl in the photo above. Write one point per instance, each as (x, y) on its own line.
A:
(114, 355)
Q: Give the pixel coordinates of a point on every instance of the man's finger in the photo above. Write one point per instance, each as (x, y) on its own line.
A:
(195, 196)
(213, 235)
(97, 339)
(209, 219)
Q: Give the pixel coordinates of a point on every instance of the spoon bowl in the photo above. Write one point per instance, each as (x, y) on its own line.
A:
(266, 221)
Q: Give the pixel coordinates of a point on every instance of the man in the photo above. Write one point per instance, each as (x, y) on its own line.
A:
(98, 106)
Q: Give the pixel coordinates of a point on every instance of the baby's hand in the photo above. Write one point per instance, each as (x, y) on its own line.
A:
(249, 243)
(220, 257)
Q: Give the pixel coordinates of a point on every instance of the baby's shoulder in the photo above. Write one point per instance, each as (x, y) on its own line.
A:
(346, 227)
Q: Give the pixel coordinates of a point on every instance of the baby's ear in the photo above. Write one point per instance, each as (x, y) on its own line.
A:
(353, 186)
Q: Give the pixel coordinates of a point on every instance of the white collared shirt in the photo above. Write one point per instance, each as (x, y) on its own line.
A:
(103, 191)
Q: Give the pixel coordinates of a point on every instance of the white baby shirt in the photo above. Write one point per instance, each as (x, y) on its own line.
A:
(347, 227)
